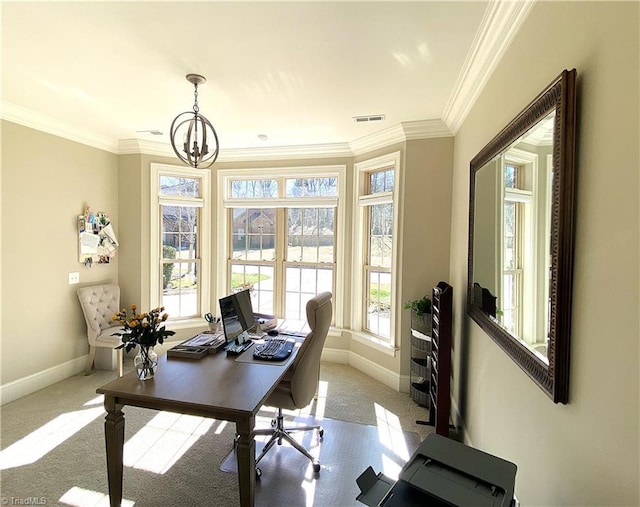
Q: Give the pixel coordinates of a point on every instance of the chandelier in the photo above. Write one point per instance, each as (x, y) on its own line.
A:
(193, 132)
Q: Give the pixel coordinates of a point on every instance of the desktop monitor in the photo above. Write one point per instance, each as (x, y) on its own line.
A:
(245, 309)
(237, 316)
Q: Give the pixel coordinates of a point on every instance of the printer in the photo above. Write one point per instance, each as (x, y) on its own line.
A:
(443, 472)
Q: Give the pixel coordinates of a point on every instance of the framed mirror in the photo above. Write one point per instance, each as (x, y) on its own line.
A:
(521, 206)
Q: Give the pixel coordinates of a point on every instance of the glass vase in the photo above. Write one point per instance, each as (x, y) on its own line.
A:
(146, 363)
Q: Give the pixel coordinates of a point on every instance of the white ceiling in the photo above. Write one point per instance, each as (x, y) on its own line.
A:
(295, 71)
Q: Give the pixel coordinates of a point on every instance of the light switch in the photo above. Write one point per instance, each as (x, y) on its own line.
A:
(74, 277)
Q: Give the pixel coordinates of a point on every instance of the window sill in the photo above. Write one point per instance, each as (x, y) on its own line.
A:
(375, 343)
(187, 323)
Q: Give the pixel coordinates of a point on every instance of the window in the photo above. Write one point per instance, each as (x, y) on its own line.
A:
(513, 215)
(281, 235)
(180, 239)
(519, 243)
(376, 259)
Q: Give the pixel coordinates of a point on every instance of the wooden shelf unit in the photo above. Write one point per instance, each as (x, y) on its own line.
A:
(440, 382)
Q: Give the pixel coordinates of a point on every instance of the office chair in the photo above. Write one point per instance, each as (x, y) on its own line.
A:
(99, 303)
(299, 385)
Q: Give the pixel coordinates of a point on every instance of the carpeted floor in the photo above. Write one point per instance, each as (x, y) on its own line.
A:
(53, 448)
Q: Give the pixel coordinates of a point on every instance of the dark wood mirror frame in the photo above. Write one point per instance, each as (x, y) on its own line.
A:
(559, 96)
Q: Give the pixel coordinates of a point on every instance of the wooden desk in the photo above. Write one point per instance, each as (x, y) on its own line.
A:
(216, 386)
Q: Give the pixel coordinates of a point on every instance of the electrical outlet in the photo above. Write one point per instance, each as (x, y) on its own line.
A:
(74, 277)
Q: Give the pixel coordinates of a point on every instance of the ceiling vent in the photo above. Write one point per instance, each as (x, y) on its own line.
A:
(370, 117)
(152, 132)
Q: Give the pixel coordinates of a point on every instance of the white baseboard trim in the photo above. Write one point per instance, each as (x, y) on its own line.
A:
(32, 383)
(405, 381)
(375, 371)
(335, 356)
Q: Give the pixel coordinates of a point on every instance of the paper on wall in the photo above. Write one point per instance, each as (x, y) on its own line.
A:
(110, 233)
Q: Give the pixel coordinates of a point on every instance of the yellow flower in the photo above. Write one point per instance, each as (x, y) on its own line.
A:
(133, 307)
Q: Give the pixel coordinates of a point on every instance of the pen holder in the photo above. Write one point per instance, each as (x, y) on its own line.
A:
(213, 327)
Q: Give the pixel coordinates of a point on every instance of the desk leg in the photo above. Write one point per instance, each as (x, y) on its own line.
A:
(246, 455)
(114, 439)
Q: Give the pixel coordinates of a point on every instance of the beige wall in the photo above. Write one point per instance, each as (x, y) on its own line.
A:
(586, 452)
(46, 182)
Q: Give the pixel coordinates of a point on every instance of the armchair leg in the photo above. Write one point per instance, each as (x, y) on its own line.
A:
(92, 355)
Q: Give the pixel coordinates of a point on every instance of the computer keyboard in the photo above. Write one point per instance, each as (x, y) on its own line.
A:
(274, 349)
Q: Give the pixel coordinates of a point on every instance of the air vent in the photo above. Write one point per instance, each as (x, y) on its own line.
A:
(152, 132)
(371, 117)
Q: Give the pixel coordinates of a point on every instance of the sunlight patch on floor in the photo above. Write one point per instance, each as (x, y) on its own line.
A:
(46, 438)
(178, 432)
(85, 497)
(95, 401)
(391, 437)
(309, 485)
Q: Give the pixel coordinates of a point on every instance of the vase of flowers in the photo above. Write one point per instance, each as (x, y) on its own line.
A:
(145, 330)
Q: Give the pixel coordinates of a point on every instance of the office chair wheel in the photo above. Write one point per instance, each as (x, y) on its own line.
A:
(258, 473)
(316, 466)
(321, 432)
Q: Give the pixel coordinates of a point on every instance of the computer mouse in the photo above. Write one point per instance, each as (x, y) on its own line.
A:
(272, 332)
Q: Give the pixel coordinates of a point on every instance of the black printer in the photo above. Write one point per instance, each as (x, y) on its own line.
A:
(443, 472)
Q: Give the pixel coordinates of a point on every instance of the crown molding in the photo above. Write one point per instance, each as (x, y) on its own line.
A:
(27, 118)
(303, 151)
(403, 131)
(140, 146)
(425, 129)
(501, 23)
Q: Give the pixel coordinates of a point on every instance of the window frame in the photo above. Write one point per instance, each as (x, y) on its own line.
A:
(359, 269)
(526, 198)
(204, 236)
(280, 203)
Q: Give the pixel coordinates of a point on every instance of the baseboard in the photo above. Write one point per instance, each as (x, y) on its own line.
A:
(389, 378)
(375, 371)
(32, 383)
(335, 355)
(458, 422)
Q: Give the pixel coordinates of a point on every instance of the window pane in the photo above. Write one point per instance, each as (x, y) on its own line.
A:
(510, 176)
(180, 229)
(254, 189)
(180, 279)
(509, 303)
(380, 234)
(381, 181)
(311, 187)
(180, 289)
(301, 284)
(253, 233)
(379, 303)
(175, 185)
(257, 278)
(310, 234)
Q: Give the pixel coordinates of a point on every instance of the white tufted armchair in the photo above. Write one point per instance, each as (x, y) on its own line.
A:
(99, 303)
